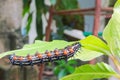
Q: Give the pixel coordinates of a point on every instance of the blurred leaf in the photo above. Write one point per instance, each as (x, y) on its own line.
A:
(60, 62)
(25, 2)
(72, 62)
(41, 8)
(60, 29)
(117, 4)
(90, 72)
(112, 31)
(39, 4)
(56, 70)
(70, 68)
(29, 22)
(65, 65)
(73, 21)
(39, 27)
(26, 6)
(25, 10)
(62, 73)
(67, 4)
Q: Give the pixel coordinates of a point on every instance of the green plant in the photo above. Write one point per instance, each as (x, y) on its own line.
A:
(41, 8)
(92, 47)
(111, 48)
(73, 21)
(62, 22)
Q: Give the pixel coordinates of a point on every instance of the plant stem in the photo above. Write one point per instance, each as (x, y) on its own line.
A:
(41, 69)
(48, 31)
(116, 62)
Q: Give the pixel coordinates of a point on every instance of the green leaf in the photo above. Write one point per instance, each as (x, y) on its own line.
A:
(70, 4)
(39, 26)
(90, 72)
(29, 22)
(86, 54)
(67, 4)
(40, 46)
(70, 68)
(56, 70)
(25, 10)
(95, 44)
(72, 62)
(40, 8)
(62, 73)
(117, 4)
(92, 47)
(111, 32)
(26, 6)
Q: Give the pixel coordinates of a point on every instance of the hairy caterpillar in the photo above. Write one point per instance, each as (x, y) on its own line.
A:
(48, 56)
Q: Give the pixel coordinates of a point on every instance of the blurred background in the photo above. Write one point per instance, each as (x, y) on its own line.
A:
(24, 21)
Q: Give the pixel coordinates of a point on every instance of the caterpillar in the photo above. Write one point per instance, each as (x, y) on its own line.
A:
(48, 56)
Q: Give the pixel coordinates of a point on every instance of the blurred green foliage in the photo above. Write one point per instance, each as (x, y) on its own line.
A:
(62, 22)
(64, 68)
(67, 21)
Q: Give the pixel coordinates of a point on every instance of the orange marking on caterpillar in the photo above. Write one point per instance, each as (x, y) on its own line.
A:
(65, 52)
(39, 55)
(29, 57)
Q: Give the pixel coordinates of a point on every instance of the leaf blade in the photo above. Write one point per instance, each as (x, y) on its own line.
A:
(90, 72)
(38, 46)
(87, 55)
(111, 32)
(94, 43)
(92, 47)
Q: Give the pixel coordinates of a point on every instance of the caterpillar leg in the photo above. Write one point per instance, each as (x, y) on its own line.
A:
(31, 63)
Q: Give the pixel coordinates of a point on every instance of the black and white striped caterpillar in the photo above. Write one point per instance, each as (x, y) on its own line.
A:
(49, 56)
